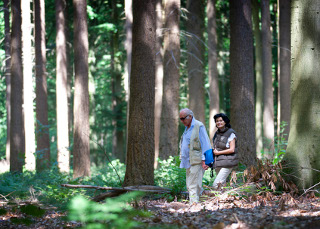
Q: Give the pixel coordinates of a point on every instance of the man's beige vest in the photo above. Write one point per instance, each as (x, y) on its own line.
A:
(195, 153)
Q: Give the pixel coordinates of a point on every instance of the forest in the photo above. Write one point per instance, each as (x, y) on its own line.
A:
(91, 93)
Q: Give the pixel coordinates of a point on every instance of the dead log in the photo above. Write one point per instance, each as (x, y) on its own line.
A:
(116, 191)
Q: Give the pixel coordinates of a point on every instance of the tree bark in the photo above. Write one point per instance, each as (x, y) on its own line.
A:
(284, 50)
(304, 139)
(195, 28)
(28, 91)
(268, 110)
(17, 141)
(81, 148)
(212, 66)
(63, 153)
(7, 41)
(259, 81)
(43, 141)
(242, 79)
(171, 66)
(140, 153)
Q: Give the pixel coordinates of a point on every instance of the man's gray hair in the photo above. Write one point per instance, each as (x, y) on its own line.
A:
(187, 111)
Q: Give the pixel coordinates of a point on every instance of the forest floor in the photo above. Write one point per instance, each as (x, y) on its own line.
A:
(218, 212)
(221, 211)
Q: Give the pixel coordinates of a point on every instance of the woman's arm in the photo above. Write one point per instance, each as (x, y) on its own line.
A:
(227, 151)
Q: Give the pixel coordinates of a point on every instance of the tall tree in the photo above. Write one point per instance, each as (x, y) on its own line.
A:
(140, 152)
(212, 65)
(158, 81)
(81, 148)
(30, 144)
(128, 47)
(43, 141)
(171, 66)
(304, 139)
(117, 103)
(259, 82)
(268, 110)
(63, 154)
(242, 79)
(195, 28)
(17, 141)
(284, 52)
(7, 41)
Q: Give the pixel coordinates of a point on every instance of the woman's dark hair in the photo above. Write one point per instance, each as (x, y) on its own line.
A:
(224, 117)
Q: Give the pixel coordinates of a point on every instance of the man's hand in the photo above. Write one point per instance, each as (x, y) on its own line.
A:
(204, 166)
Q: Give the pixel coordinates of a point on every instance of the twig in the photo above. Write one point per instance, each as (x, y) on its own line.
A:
(309, 189)
(108, 159)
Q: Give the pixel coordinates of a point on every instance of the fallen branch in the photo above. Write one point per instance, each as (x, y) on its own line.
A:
(143, 188)
(114, 191)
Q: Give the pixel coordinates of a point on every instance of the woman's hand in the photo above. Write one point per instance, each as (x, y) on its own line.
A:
(216, 152)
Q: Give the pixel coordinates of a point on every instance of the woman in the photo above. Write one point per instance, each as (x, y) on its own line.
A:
(224, 149)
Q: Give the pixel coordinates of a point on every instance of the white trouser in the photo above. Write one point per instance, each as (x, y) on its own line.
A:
(194, 176)
(222, 176)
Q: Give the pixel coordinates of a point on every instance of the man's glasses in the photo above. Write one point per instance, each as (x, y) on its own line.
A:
(184, 118)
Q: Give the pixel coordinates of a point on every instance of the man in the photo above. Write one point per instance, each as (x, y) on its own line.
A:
(193, 144)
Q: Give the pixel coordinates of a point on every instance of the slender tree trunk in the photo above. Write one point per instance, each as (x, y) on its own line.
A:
(128, 46)
(17, 140)
(195, 28)
(140, 154)
(28, 91)
(171, 66)
(284, 50)
(7, 41)
(43, 141)
(268, 110)
(81, 148)
(63, 154)
(212, 66)
(117, 104)
(158, 81)
(303, 149)
(242, 79)
(259, 81)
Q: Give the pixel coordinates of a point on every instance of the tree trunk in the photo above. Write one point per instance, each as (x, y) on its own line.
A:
(17, 141)
(158, 81)
(242, 79)
(284, 50)
(30, 145)
(140, 154)
(195, 28)
(63, 153)
(259, 82)
(117, 104)
(128, 47)
(303, 149)
(43, 141)
(171, 66)
(7, 41)
(268, 110)
(212, 66)
(81, 148)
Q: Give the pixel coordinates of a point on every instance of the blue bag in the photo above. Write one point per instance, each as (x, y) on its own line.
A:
(209, 158)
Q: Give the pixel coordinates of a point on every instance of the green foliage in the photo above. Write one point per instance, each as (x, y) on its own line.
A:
(32, 210)
(169, 175)
(19, 221)
(3, 211)
(114, 213)
(280, 144)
